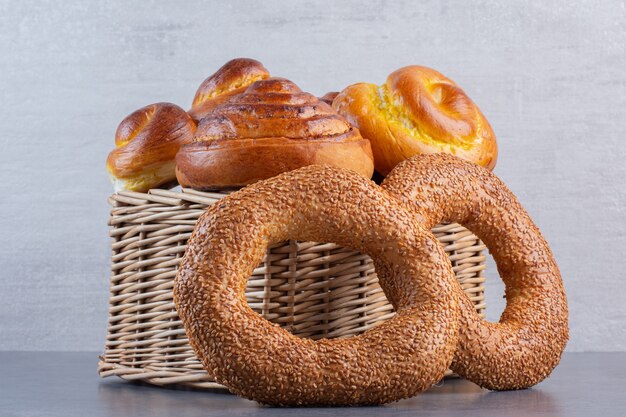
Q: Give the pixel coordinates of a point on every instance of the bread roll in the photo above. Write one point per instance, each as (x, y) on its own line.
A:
(418, 111)
(231, 79)
(329, 97)
(272, 127)
(146, 144)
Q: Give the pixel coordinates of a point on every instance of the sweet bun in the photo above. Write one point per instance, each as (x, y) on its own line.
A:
(329, 97)
(272, 127)
(418, 111)
(146, 144)
(231, 79)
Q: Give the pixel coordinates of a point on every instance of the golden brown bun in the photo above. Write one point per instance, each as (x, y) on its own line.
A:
(231, 79)
(272, 127)
(146, 143)
(329, 97)
(418, 111)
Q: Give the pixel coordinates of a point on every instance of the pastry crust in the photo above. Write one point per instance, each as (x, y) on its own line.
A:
(272, 127)
(231, 79)
(146, 143)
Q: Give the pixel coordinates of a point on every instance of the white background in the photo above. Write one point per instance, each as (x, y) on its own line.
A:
(549, 76)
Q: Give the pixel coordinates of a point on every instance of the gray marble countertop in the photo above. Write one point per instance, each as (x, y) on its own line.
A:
(66, 384)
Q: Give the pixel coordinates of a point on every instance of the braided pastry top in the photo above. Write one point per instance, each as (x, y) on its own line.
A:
(272, 108)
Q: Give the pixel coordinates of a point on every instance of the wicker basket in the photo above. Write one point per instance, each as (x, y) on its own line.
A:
(316, 290)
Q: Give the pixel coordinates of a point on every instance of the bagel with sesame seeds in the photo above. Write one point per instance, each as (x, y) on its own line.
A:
(257, 360)
(526, 344)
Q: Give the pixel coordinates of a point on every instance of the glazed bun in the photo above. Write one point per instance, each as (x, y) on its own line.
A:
(231, 79)
(146, 143)
(329, 97)
(272, 127)
(418, 111)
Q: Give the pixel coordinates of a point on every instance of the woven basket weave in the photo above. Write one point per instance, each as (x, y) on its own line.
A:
(316, 290)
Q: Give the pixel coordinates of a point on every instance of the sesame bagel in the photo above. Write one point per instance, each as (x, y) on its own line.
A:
(526, 344)
(260, 361)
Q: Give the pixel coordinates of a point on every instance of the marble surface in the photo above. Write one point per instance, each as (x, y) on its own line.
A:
(65, 384)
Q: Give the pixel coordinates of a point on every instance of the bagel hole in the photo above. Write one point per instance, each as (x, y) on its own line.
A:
(318, 290)
(467, 255)
(494, 290)
(323, 290)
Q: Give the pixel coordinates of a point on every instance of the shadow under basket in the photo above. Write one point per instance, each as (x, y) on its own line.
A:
(315, 290)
